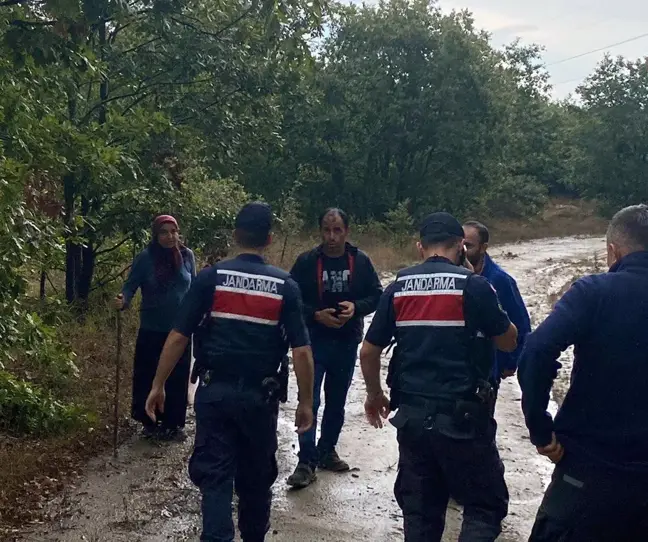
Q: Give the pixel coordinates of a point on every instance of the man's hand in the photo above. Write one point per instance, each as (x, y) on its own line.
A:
(326, 318)
(553, 451)
(508, 373)
(155, 402)
(377, 409)
(119, 302)
(347, 312)
(303, 417)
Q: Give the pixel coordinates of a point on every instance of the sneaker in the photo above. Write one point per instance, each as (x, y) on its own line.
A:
(303, 476)
(332, 462)
(149, 432)
(171, 434)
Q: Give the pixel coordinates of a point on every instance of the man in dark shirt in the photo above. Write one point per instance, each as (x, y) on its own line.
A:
(599, 437)
(340, 287)
(446, 321)
(245, 314)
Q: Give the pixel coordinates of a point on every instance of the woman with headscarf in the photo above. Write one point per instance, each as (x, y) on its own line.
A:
(163, 271)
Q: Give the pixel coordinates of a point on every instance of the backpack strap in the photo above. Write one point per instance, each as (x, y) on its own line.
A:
(351, 262)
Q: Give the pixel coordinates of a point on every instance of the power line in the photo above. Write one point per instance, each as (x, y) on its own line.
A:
(598, 50)
(569, 81)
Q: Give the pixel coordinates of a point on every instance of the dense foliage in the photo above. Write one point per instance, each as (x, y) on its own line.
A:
(112, 111)
(609, 158)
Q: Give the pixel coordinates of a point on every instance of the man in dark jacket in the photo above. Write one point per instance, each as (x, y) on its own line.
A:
(340, 287)
(599, 437)
(476, 242)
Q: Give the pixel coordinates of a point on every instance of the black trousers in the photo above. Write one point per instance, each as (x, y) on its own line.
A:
(236, 442)
(432, 468)
(593, 503)
(147, 354)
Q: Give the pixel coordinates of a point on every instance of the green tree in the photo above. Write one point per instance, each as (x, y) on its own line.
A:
(609, 159)
(400, 223)
(290, 219)
(404, 102)
(129, 92)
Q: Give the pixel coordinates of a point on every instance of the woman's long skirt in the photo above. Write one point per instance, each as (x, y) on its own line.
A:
(147, 354)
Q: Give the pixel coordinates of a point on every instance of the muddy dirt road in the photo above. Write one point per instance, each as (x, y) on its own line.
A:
(145, 495)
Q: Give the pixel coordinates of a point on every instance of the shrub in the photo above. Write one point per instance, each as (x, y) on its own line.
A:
(514, 196)
(27, 410)
(399, 223)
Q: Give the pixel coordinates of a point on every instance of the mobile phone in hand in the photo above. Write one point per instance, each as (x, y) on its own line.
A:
(462, 256)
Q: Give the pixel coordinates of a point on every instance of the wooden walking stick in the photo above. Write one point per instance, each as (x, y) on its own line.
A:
(117, 379)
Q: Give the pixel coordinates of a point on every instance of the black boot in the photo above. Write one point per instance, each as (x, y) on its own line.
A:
(303, 476)
(331, 461)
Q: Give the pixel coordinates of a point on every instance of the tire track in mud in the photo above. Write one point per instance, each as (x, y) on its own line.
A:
(145, 495)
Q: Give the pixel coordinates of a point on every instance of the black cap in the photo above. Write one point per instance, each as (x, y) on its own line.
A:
(255, 217)
(440, 226)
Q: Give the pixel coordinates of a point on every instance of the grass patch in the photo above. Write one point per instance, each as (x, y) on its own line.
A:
(562, 218)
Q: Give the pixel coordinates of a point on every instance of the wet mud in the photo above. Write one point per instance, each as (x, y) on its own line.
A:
(145, 494)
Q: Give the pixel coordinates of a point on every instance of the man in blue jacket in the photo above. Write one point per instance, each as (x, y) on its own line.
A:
(599, 437)
(477, 238)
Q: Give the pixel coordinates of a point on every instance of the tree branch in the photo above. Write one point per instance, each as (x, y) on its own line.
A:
(107, 279)
(135, 17)
(113, 35)
(136, 101)
(140, 46)
(193, 27)
(144, 93)
(222, 30)
(13, 3)
(51, 283)
(23, 24)
(212, 104)
(140, 88)
(87, 116)
(111, 249)
(105, 20)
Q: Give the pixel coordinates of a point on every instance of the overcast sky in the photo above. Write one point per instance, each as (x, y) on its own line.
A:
(566, 28)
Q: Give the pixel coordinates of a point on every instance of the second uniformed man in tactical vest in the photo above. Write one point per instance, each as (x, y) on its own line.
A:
(245, 314)
(446, 321)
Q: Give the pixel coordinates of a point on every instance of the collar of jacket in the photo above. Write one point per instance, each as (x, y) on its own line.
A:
(489, 266)
(439, 259)
(635, 259)
(252, 258)
(491, 269)
(348, 249)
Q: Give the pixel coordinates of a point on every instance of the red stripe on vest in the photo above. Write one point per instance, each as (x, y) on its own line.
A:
(254, 306)
(444, 308)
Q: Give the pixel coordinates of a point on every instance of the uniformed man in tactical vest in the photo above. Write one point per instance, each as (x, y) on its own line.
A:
(446, 321)
(245, 313)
